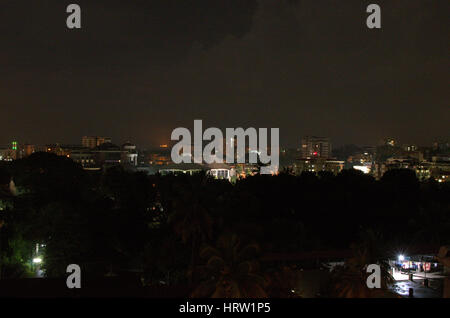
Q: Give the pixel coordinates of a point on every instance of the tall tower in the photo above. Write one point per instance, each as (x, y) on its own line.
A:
(14, 150)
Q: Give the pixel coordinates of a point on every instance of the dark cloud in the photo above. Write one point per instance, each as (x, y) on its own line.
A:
(138, 69)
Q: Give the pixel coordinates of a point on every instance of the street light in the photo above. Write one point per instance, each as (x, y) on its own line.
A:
(37, 260)
(401, 258)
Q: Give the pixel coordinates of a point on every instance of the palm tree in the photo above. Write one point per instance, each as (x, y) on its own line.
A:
(349, 280)
(231, 271)
(283, 283)
(190, 219)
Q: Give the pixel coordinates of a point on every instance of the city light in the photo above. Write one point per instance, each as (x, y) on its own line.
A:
(364, 169)
(228, 156)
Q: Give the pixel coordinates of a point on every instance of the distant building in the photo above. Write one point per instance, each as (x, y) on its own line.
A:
(94, 141)
(84, 157)
(441, 158)
(423, 171)
(147, 169)
(160, 156)
(181, 168)
(416, 155)
(440, 171)
(316, 165)
(216, 170)
(410, 147)
(221, 171)
(56, 149)
(107, 154)
(27, 150)
(360, 158)
(400, 163)
(441, 145)
(14, 150)
(7, 154)
(316, 147)
(130, 154)
(104, 155)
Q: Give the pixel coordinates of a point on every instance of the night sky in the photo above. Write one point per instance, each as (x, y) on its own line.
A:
(138, 69)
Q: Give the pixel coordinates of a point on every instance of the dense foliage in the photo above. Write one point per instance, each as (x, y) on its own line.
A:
(161, 227)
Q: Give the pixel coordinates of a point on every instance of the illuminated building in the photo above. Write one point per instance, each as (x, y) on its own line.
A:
(7, 154)
(107, 154)
(159, 159)
(410, 147)
(55, 148)
(84, 157)
(441, 145)
(221, 171)
(130, 154)
(216, 170)
(423, 171)
(400, 163)
(316, 147)
(13, 155)
(181, 168)
(440, 169)
(365, 168)
(94, 141)
(316, 165)
(158, 156)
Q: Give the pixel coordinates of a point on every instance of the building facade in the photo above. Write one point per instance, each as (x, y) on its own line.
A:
(94, 141)
(316, 147)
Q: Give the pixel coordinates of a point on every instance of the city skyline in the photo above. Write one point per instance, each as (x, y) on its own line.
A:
(380, 142)
(224, 156)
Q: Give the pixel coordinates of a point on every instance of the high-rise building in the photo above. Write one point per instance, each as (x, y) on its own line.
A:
(14, 150)
(441, 145)
(316, 147)
(93, 141)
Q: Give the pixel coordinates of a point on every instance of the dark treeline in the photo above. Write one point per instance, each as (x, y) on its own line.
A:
(180, 229)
